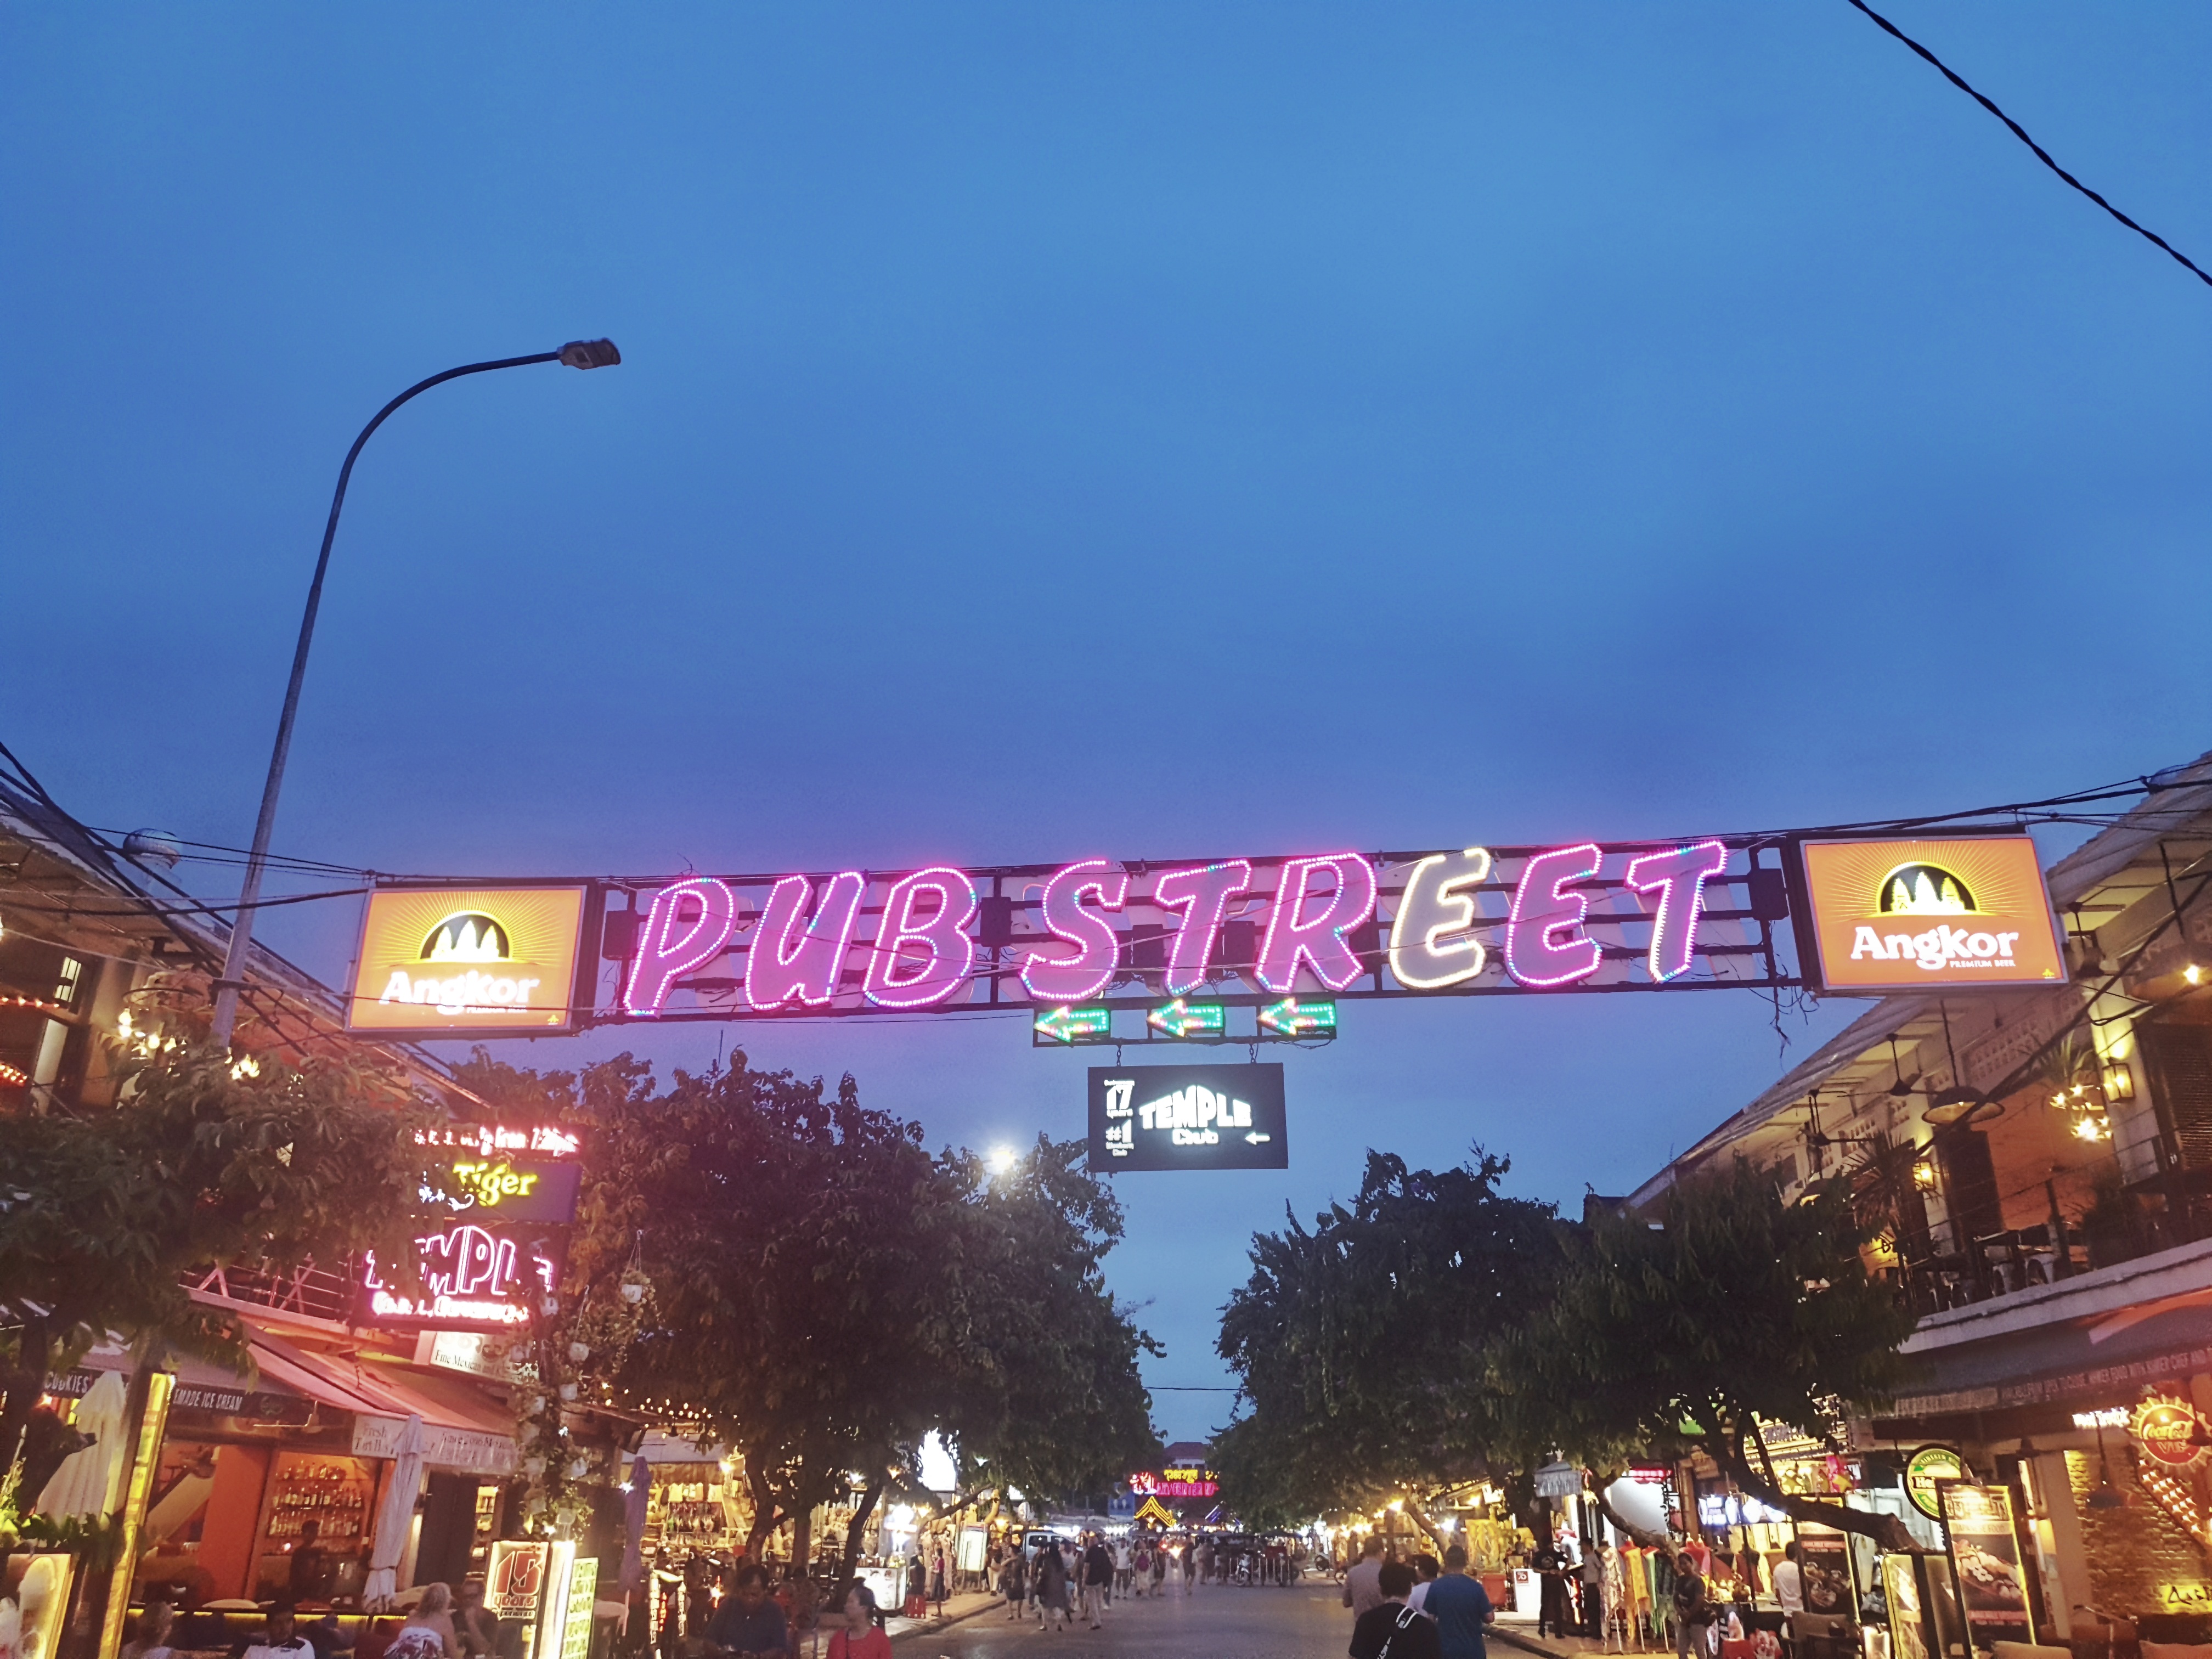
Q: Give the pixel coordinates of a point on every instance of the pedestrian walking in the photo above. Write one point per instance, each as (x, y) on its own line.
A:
(1124, 1566)
(916, 1605)
(863, 1635)
(1693, 1611)
(1592, 1575)
(1014, 1581)
(1097, 1581)
(1362, 1585)
(1391, 1629)
(1426, 1569)
(937, 1579)
(1051, 1587)
(1461, 1606)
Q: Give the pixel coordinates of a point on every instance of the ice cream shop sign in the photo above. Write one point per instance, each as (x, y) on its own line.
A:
(1867, 915)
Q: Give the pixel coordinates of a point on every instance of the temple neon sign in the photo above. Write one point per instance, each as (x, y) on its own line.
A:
(1178, 941)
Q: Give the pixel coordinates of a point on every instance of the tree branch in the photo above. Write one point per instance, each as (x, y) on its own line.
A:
(1886, 1530)
(1599, 1485)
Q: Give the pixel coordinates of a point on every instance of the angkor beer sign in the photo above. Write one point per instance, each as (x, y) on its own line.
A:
(1245, 931)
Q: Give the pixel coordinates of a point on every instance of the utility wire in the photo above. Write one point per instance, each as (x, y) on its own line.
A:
(2020, 133)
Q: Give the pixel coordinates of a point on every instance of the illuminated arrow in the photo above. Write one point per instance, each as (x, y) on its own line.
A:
(1073, 1025)
(1257, 1138)
(1182, 1019)
(1291, 1018)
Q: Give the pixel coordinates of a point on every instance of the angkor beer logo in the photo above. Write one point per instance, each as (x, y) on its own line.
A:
(466, 936)
(1925, 889)
(1930, 890)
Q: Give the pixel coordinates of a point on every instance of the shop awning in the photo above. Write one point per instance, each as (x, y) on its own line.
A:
(463, 1429)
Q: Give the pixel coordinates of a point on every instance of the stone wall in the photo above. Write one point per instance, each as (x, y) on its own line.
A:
(2134, 1549)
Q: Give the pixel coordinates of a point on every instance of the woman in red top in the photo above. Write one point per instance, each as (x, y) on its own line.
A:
(863, 1635)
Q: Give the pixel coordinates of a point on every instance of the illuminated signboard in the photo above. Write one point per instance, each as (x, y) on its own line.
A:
(1102, 934)
(1986, 1554)
(1062, 1026)
(474, 1278)
(1292, 1020)
(1917, 915)
(1923, 1469)
(468, 961)
(1182, 1021)
(1176, 1483)
(1187, 1117)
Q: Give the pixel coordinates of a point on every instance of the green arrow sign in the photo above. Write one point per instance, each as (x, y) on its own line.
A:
(1291, 1020)
(1188, 1019)
(1070, 1025)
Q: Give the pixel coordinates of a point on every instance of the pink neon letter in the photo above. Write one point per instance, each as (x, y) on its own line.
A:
(1319, 939)
(778, 967)
(1680, 877)
(672, 946)
(1201, 894)
(1542, 909)
(1090, 969)
(942, 935)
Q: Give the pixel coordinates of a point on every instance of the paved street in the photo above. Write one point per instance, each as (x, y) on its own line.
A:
(1306, 1622)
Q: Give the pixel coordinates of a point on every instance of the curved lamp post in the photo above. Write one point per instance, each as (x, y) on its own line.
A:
(577, 354)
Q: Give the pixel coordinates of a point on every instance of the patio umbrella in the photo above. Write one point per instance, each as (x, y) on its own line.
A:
(84, 1485)
(395, 1516)
(640, 1487)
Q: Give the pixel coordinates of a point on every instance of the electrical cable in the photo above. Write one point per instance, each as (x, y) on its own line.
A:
(2041, 153)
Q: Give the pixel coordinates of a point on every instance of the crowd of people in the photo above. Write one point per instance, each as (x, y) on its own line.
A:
(1426, 1608)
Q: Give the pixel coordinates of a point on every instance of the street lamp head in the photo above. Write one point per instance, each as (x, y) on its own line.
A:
(590, 353)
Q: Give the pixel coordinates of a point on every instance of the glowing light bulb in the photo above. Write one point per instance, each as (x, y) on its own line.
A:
(2193, 974)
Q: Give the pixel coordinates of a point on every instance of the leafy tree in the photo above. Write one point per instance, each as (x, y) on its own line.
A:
(1732, 1309)
(202, 1164)
(1049, 1399)
(823, 1292)
(1360, 1343)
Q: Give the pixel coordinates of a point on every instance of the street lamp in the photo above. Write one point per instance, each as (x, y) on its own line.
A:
(577, 354)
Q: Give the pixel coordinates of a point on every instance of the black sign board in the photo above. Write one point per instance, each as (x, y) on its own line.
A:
(1187, 1117)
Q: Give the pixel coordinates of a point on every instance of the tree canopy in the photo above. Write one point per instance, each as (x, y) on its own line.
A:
(205, 1163)
(824, 1292)
(1730, 1309)
(1361, 1345)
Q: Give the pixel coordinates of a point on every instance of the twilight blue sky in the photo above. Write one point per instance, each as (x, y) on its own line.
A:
(1049, 431)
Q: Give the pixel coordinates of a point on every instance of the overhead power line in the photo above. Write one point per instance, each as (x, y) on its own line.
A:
(2020, 133)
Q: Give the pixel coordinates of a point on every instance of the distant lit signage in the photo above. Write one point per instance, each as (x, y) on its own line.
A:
(534, 1140)
(468, 961)
(1187, 1117)
(1923, 1469)
(1917, 916)
(474, 1277)
(1176, 1483)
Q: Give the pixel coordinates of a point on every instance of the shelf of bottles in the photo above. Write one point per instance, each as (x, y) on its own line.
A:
(333, 1492)
(687, 1510)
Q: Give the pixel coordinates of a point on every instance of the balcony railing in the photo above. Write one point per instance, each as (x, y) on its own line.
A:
(313, 1292)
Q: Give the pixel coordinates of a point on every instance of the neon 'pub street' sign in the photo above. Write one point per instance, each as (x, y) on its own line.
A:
(1466, 921)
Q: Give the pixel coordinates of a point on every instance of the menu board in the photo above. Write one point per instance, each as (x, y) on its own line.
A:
(1901, 1588)
(583, 1593)
(1985, 1555)
(1824, 1564)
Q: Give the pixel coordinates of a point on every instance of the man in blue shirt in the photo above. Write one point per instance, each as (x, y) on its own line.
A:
(1461, 1607)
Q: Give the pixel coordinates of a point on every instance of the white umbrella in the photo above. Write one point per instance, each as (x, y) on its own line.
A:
(394, 1518)
(84, 1485)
